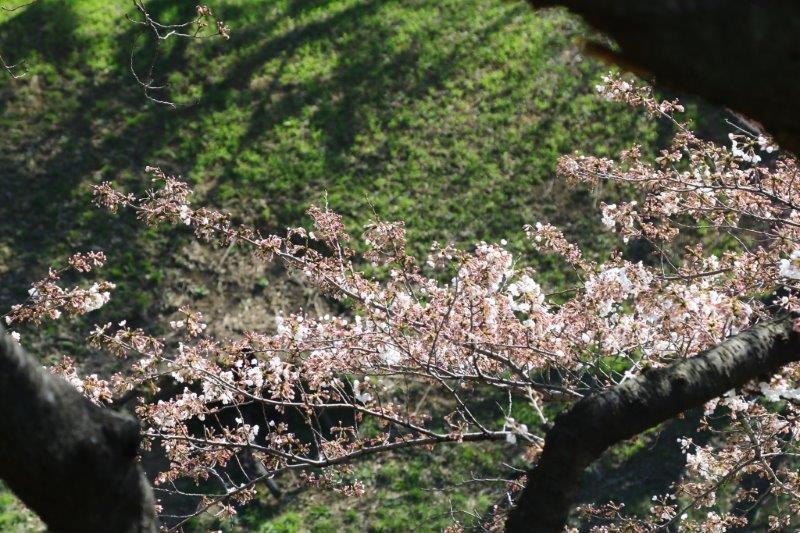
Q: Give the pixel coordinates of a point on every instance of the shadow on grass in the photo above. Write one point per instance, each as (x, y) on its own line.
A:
(67, 128)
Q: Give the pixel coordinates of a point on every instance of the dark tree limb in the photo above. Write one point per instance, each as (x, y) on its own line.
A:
(743, 54)
(580, 435)
(72, 462)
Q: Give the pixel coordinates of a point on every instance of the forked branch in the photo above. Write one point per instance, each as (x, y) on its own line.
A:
(580, 435)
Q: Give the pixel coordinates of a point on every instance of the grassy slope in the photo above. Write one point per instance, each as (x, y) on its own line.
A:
(447, 114)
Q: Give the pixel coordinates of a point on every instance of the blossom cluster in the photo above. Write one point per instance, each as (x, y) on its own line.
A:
(47, 299)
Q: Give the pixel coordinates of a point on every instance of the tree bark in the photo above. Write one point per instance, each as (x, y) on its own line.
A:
(72, 462)
(743, 54)
(593, 424)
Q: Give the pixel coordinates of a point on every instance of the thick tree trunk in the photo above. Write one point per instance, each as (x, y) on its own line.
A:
(72, 462)
(592, 425)
(743, 54)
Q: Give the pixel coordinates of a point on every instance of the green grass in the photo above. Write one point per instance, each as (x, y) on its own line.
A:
(403, 493)
(447, 114)
(14, 517)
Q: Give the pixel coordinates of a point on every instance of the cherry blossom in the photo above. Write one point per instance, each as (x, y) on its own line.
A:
(724, 230)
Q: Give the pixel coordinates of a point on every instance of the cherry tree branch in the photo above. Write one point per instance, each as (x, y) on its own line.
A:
(738, 53)
(69, 460)
(580, 435)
